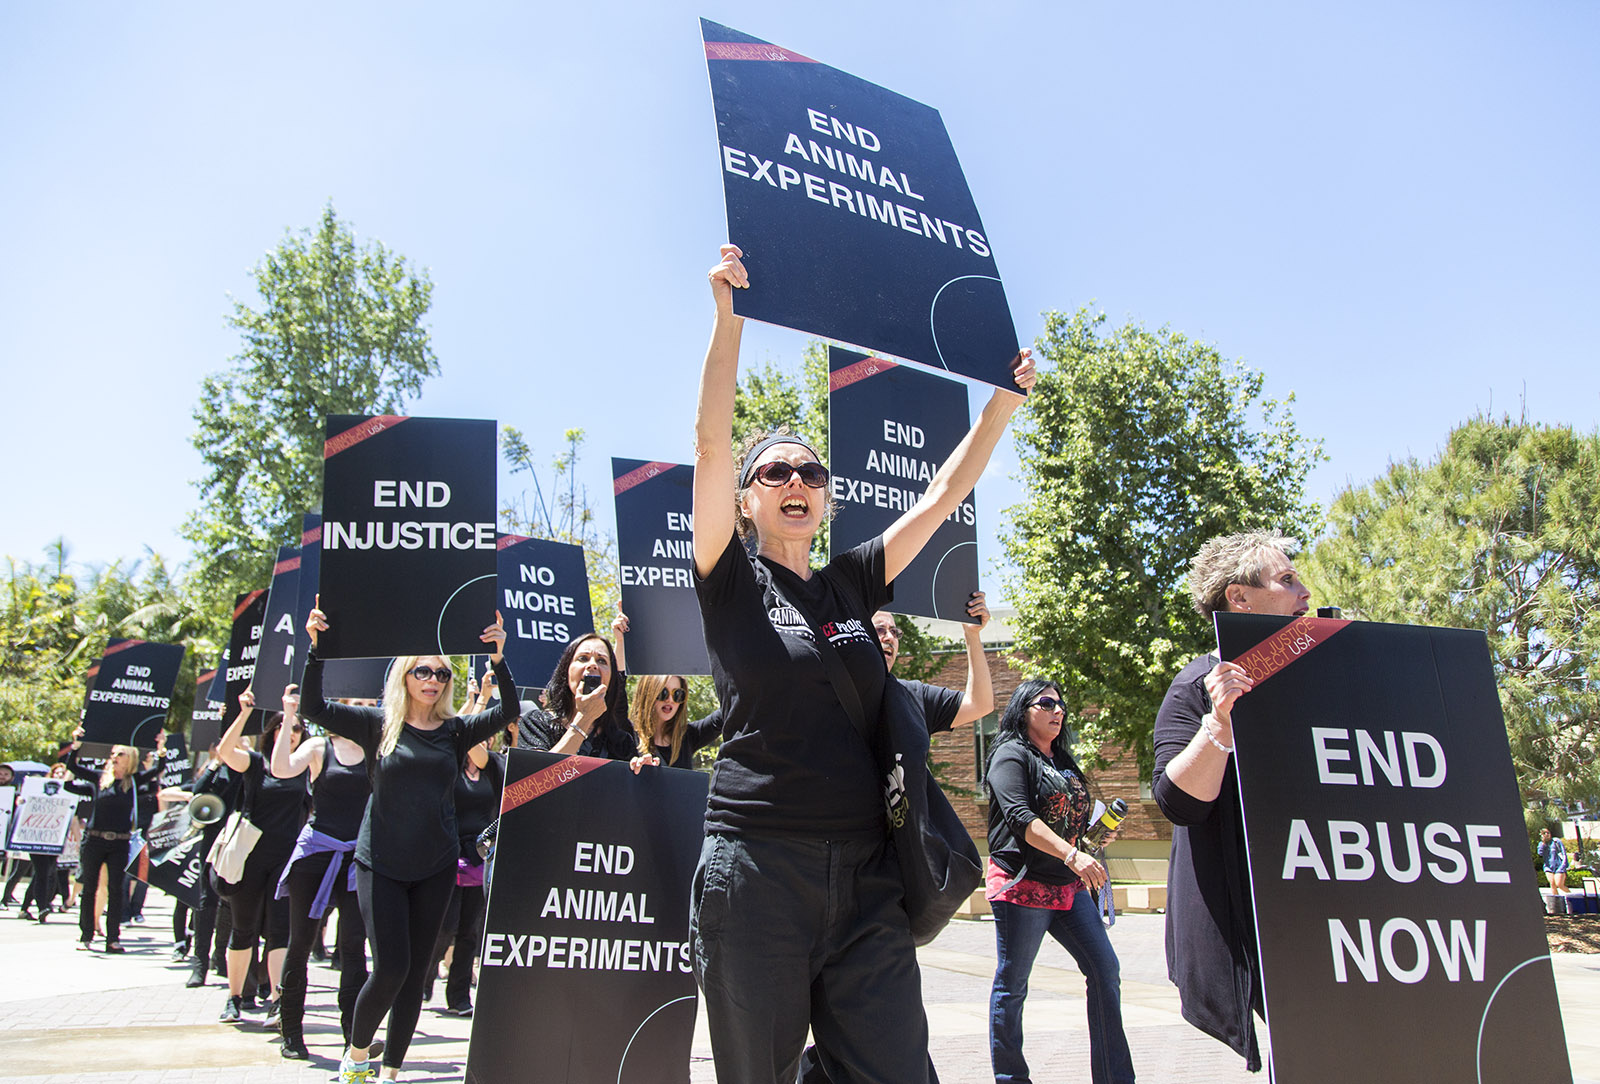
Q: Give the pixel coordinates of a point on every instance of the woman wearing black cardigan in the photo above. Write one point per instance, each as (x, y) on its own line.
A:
(406, 853)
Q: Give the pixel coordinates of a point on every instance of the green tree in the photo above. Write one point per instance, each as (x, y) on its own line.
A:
(1500, 532)
(339, 331)
(1136, 447)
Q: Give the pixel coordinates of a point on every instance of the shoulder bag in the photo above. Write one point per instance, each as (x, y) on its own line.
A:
(239, 837)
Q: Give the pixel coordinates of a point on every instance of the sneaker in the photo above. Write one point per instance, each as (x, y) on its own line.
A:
(115, 947)
(83, 946)
(295, 1050)
(274, 1012)
(464, 1010)
(197, 975)
(356, 1072)
(232, 1009)
(26, 913)
(180, 952)
(137, 920)
(44, 914)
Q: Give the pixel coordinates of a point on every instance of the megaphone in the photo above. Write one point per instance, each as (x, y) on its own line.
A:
(207, 809)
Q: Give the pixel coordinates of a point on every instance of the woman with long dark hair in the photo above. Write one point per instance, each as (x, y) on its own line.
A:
(278, 807)
(1037, 880)
(105, 841)
(798, 916)
(583, 710)
(408, 845)
(320, 872)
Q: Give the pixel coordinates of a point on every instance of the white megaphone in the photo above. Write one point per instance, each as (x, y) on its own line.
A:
(207, 809)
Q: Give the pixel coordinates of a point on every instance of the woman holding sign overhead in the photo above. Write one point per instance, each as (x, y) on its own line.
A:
(408, 846)
(798, 916)
(112, 819)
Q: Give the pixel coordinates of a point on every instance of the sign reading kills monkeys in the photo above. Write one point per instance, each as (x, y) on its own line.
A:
(655, 554)
(890, 427)
(130, 691)
(544, 597)
(1388, 856)
(855, 220)
(408, 535)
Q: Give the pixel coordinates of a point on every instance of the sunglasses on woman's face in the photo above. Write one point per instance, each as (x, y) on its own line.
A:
(674, 695)
(778, 473)
(1049, 703)
(423, 673)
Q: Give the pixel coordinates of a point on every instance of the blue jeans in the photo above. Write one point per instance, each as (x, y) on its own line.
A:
(1019, 931)
(790, 933)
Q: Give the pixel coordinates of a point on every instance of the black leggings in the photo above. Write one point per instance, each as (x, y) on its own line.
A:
(113, 854)
(463, 928)
(42, 886)
(254, 897)
(305, 877)
(403, 919)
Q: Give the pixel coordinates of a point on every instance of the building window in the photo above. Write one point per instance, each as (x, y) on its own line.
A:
(983, 732)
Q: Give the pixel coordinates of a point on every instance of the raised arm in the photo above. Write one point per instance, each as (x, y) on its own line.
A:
(977, 700)
(361, 725)
(288, 762)
(486, 724)
(956, 478)
(713, 419)
(619, 629)
(230, 747)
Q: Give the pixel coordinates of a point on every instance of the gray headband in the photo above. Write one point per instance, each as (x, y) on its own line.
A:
(755, 453)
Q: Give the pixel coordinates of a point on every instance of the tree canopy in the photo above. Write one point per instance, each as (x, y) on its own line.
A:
(1500, 532)
(339, 331)
(1136, 446)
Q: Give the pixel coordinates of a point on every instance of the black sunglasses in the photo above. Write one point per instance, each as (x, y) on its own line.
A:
(1049, 703)
(778, 473)
(675, 695)
(423, 673)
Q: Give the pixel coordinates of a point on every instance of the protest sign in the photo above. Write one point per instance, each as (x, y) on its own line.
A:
(341, 678)
(655, 559)
(890, 427)
(130, 692)
(590, 907)
(42, 817)
(244, 645)
(544, 598)
(216, 683)
(1388, 858)
(205, 719)
(173, 861)
(851, 209)
(176, 765)
(408, 550)
(8, 800)
(275, 661)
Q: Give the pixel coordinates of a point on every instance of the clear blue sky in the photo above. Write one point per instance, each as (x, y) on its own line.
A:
(1389, 209)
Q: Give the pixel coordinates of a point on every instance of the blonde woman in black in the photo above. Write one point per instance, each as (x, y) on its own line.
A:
(105, 841)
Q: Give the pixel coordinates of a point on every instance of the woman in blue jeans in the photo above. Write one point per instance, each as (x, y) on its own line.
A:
(1037, 879)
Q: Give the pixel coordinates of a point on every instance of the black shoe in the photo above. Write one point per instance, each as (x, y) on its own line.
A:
(274, 1012)
(248, 1001)
(319, 953)
(463, 1010)
(197, 975)
(115, 948)
(26, 912)
(180, 952)
(232, 1009)
(295, 1050)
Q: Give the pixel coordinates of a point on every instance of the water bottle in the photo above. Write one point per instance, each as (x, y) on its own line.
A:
(1095, 838)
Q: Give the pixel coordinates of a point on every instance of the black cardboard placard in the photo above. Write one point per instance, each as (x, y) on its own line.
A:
(244, 645)
(130, 693)
(275, 659)
(851, 209)
(1398, 921)
(589, 907)
(655, 556)
(341, 678)
(408, 536)
(544, 598)
(890, 427)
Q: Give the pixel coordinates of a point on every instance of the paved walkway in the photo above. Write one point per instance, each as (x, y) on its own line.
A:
(95, 1019)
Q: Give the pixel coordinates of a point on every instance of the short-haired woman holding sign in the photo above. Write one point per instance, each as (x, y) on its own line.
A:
(408, 846)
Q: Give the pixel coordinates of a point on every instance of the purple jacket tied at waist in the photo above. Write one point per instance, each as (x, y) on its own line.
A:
(312, 842)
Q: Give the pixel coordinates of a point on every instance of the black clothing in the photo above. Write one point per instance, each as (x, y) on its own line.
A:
(478, 804)
(409, 830)
(280, 806)
(113, 855)
(304, 879)
(401, 952)
(792, 763)
(277, 807)
(696, 736)
(609, 740)
(1024, 785)
(112, 810)
(1211, 942)
(339, 796)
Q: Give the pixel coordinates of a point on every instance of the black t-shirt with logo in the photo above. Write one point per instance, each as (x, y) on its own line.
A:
(792, 763)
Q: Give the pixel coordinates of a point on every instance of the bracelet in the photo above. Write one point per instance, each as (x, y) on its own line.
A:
(1205, 728)
(578, 730)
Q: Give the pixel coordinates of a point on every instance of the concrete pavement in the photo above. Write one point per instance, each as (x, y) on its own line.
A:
(95, 1019)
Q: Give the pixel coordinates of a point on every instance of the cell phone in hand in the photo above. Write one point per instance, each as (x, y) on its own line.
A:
(591, 682)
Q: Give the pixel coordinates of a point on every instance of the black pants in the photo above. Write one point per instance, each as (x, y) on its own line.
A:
(180, 923)
(113, 855)
(463, 928)
(304, 879)
(42, 886)
(19, 867)
(255, 911)
(403, 920)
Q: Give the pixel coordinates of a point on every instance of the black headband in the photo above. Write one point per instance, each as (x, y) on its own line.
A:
(755, 453)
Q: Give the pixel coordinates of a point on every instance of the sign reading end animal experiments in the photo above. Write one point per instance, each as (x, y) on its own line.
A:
(239, 664)
(655, 554)
(408, 554)
(544, 597)
(889, 429)
(589, 920)
(849, 204)
(130, 692)
(1400, 930)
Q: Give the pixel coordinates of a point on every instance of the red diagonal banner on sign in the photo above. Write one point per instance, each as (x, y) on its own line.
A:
(1295, 640)
(637, 475)
(843, 378)
(288, 564)
(506, 541)
(313, 535)
(244, 603)
(358, 433)
(752, 50)
(114, 648)
(546, 780)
